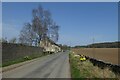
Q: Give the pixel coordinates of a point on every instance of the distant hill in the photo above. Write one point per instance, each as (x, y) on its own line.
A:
(101, 45)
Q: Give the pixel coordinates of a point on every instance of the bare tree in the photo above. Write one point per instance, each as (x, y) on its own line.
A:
(41, 22)
(40, 28)
(54, 35)
(27, 35)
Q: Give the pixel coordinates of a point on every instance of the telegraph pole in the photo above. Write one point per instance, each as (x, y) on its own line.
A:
(93, 48)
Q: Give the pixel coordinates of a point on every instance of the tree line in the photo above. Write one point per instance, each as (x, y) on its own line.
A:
(102, 45)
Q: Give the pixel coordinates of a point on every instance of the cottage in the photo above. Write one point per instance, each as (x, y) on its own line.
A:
(49, 46)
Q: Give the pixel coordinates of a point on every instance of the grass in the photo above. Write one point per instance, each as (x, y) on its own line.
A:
(85, 69)
(19, 60)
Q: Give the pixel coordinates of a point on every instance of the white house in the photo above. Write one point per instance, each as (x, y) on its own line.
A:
(50, 46)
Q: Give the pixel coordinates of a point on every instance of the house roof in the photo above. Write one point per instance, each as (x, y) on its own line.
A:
(52, 42)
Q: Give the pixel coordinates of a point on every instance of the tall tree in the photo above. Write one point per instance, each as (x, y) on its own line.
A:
(41, 27)
(27, 35)
(54, 35)
(41, 22)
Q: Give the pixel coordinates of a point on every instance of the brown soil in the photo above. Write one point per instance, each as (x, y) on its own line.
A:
(104, 54)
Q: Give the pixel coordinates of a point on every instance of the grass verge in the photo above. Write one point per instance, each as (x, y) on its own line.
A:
(19, 60)
(85, 69)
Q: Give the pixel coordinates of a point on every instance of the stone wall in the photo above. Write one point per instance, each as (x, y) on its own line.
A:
(15, 51)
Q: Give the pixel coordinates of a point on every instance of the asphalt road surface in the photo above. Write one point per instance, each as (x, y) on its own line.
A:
(50, 66)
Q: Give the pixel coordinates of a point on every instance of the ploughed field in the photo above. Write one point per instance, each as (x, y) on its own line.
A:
(105, 54)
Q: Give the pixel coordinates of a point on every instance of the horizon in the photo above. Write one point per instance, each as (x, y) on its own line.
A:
(91, 20)
(97, 43)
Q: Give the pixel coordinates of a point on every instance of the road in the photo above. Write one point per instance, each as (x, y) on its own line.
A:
(50, 66)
